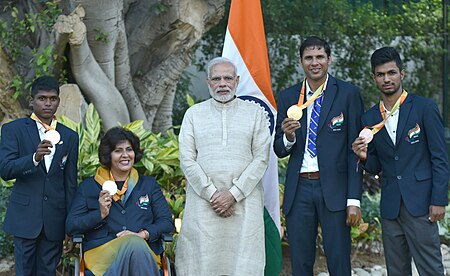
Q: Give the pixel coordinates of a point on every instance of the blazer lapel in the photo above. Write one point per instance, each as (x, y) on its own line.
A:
(35, 139)
(33, 132)
(301, 132)
(405, 108)
(328, 98)
(303, 121)
(383, 132)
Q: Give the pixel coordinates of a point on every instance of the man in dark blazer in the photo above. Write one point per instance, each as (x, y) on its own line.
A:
(410, 153)
(322, 185)
(46, 180)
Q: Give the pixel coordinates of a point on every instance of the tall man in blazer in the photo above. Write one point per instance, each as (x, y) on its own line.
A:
(322, 185)
(411, 154)
(46, 180)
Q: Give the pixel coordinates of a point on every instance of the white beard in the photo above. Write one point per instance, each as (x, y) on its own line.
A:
(222, 98)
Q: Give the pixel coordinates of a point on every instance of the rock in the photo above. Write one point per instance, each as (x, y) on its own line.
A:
(376, 247)
(378, 270)
(361, 272)
(73, 104)
(6, 264)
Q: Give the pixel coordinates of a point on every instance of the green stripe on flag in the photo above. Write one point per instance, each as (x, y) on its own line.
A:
(273, 246)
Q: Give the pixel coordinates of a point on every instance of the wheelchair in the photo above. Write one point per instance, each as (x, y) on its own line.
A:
(166, 269)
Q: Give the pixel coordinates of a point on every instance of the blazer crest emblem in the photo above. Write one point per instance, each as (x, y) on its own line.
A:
(63, 162)
(336, 123)
(143, 202)
(413, 134)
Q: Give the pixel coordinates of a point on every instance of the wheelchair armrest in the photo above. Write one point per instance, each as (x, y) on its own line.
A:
(77, 238)
(167, 237)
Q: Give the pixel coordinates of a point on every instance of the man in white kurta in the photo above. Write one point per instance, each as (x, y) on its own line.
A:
(224, 150)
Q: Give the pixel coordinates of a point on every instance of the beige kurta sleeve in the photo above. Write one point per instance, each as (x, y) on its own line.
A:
(193, 172)
(251, 176)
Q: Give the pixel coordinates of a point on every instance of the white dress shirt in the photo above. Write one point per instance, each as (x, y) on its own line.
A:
(49, 157)
(391, 123)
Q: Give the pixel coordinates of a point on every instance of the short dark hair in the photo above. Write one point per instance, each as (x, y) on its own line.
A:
(44, 83)
(315, 41)
(113, 137)
(385, 55)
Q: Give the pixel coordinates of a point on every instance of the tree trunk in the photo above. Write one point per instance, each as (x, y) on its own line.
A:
(160, 54)
(92, 80)
(126, 55)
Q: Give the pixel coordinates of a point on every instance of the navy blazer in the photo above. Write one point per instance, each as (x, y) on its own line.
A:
(38, 199)
(144, 208)
(416, 169)
(339, 125)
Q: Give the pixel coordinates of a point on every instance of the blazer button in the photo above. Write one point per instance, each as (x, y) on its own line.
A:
(396, 158)
(45, 197)
(123, 212)
(399, 177)
(124, 227)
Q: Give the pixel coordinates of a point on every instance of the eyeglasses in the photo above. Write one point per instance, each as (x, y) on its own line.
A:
(217, 80)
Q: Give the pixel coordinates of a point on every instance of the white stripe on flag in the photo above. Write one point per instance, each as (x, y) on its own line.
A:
(248, 87)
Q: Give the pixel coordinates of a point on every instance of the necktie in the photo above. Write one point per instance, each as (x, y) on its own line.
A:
(313, 126)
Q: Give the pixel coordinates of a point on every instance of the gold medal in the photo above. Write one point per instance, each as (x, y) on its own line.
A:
(295, 112)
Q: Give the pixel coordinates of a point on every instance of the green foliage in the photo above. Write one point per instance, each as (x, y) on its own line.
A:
(89, 141)
(370, 228)
(101, 35)
(354, 32)
(444, 226)
(6, 241)
(43, 61)
(183, 98)
(159, 7)
(190, 100)
(17, 35)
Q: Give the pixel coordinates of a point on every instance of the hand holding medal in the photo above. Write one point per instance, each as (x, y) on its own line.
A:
(110, 186)
(359, 146)
(296, 110)
(52, 136)
(367, 135)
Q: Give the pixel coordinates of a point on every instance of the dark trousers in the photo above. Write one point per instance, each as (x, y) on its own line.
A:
(36, 256)
(307, 212)
(408, 236)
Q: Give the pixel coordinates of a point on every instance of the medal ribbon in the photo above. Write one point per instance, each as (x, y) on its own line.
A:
(397, 105)
(119, 194)
(52, 126)
(313, 97)
(380, 125)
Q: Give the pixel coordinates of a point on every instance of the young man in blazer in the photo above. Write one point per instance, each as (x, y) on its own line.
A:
(322, 185)
(46, 180)
(410, 152)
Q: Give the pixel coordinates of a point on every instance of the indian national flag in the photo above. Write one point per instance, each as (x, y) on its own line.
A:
(245, 45)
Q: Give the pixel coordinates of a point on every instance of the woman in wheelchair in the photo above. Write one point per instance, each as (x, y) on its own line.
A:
(122, 230)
